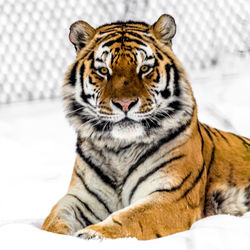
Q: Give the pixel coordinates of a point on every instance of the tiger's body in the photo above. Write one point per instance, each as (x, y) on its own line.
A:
(145, 166)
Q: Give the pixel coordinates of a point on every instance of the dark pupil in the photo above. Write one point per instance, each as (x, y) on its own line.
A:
(104, 70)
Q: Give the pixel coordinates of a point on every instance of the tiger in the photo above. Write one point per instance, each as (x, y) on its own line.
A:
(145, 166)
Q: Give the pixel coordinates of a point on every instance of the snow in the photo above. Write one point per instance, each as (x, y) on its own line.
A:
(216, 232)
(37, 155)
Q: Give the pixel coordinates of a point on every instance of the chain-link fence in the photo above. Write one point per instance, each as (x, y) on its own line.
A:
(35, 51)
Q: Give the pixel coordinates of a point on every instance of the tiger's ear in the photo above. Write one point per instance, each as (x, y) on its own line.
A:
(81, 34)
(164, 28)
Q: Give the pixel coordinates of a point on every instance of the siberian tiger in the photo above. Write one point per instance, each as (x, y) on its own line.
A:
(145, 166)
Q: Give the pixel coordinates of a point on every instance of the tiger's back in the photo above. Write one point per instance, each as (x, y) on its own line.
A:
(145, 166)
(228, 172)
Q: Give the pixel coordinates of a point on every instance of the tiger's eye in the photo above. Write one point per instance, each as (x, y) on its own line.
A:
(104, 70)
(144, 68)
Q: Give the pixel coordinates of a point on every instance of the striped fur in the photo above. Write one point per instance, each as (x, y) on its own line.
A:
(145, 166)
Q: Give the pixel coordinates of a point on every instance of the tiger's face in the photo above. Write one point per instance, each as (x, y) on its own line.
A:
(126, 82)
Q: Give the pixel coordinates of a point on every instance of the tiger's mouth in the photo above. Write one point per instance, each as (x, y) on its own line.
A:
(127, 129)
(126, 122)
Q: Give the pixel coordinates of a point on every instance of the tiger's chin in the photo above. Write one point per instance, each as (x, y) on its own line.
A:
(127, 132)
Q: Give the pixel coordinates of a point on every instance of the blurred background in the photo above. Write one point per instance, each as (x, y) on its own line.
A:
(35, 50)
(36, 143)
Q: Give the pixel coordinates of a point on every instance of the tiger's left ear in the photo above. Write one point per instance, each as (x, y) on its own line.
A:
(81, 33)
(164, 28)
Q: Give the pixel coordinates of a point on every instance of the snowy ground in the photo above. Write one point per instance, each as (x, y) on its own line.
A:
(37, 156)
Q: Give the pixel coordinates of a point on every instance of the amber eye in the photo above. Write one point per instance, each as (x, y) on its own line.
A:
(144, 68)
(103, 70)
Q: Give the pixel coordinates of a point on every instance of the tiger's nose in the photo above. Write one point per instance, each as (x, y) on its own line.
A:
(124, 105)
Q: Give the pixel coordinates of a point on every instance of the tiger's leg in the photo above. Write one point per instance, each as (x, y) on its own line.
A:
(226, 199)
(69, 215)
(151, 218)
(80, 207)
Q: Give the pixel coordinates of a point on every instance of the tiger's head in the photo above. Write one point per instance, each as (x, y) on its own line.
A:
(126, 84)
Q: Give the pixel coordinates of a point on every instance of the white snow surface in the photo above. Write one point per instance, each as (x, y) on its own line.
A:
(37, 151)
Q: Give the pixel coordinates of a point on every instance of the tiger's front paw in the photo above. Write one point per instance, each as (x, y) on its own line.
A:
(105, 229)
(88, 234)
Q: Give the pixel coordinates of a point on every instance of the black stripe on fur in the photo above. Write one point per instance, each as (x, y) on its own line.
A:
(145, 177)
(95, 168)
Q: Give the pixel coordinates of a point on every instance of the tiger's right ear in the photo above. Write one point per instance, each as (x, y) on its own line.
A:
(81, 34)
